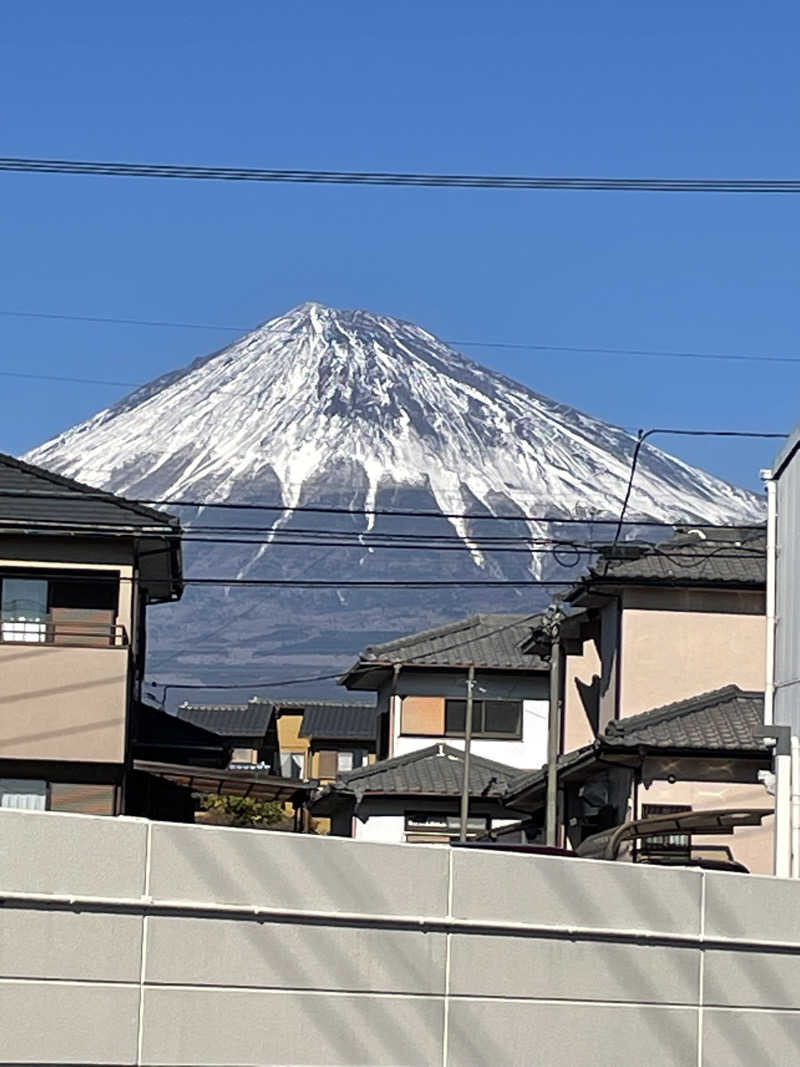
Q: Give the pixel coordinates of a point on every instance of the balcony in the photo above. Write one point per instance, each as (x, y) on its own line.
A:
(62, 629)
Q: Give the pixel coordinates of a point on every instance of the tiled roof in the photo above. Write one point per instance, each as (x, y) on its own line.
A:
(229, 720)
(344, 721)
(701, 556)
(155, 729)
(723, 719)
(720, 721)
(437, 770)
(33, 494)
(488, 641)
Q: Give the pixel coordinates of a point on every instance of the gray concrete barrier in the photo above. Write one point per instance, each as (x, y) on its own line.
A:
(127, 942)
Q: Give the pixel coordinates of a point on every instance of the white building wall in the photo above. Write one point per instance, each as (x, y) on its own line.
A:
(388, 829)
(528, 754)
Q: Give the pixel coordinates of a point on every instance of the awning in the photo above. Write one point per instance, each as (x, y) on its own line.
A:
(607, 844)
(229, 782)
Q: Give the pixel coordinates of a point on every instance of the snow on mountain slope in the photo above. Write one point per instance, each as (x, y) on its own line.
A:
(351, 408)
(317, 386)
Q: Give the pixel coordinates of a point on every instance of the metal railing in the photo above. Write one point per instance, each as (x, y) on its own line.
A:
(20, 630)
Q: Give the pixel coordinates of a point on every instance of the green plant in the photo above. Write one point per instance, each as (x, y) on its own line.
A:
(243, 811)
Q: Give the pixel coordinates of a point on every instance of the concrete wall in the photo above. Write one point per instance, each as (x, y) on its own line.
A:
(123, 942)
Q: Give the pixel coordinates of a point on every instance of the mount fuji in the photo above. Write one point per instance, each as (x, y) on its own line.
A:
(361, 412)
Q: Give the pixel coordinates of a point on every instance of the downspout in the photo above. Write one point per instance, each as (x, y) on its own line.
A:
(772, 542)
(785, 764)
(795, 802)
(392, 706)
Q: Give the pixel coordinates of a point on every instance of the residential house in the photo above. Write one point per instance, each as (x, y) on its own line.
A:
(659, 631)
(700, 753)
(250, 729)
(78, 570)
(650, 625)
(416, 797)
(421, 686)
(341, 737)
(298, 739)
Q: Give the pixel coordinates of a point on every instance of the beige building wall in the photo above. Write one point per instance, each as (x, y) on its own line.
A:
(751, 845)
(63, 703)
(67, 703)
(670, 655)
(581, 670)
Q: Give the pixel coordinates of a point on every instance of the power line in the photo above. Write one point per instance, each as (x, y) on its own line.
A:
(67, 378)
(394, 178)
(111, 321)
(555, 520)
(566, 553)
(539, 346)
(243, 685)
(642, 436)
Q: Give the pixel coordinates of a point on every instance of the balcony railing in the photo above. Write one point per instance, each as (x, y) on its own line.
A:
(22, 630)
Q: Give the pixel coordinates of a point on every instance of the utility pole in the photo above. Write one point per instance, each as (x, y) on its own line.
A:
(467, 744)
(552, 624)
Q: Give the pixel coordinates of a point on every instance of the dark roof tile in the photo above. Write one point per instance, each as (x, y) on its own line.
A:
(487, 641)
(703, 556)
(437, 770)
(355, 722)
(723, 719)
(229, 720)
(720, 721)
(33, 494)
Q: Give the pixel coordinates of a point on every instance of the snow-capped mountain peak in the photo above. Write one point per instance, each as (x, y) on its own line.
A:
(361, 401)
(360, 411)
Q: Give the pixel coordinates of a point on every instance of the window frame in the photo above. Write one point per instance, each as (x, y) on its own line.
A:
(288, 754)
(479, 709)
(433, 826)
(48, 630)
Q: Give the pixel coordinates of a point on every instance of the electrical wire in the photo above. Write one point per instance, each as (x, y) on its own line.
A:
(394, 178)
(243, 685)
(573, 550)
(602, 350)
(555, 520)
(679, 432)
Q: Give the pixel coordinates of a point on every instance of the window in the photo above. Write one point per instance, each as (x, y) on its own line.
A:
(87, 799)
(23, 793)
(292, 764)
(247, 756)
(327, 763)
(490, 718)
(438, 826)
(73, 608)
(350, 759)
(668, 844)
(23, 609)
(423, 716)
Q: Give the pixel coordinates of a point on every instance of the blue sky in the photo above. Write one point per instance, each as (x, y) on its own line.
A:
(627, 88)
